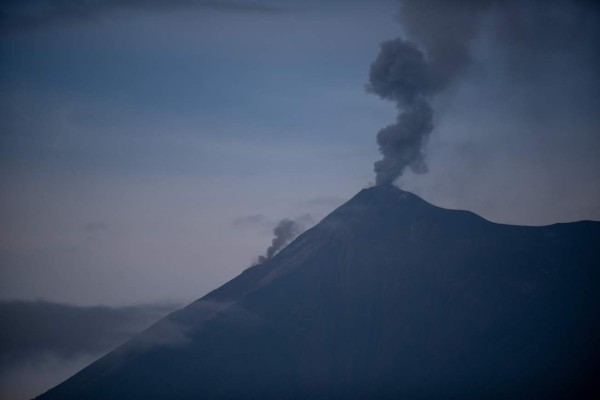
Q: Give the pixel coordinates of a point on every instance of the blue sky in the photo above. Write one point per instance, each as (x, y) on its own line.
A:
(133, 139)
(159, 130)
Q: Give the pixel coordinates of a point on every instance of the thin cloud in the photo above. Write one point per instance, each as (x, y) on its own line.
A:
(326, 201)
(18, 15)
(251, 221)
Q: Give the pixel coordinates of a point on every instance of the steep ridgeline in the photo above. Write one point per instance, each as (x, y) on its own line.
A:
(387, 297)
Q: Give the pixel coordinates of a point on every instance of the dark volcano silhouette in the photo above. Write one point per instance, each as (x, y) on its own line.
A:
(387, 297)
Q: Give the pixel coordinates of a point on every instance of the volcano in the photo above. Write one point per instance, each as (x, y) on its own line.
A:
(387, 297)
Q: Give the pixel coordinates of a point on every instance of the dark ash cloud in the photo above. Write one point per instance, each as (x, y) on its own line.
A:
(285, 231)
(531, 43)
(410, 74)
(17, 14)
(401, 143)
(401, 74)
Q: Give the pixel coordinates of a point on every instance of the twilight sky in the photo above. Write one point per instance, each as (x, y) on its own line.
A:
(148, 148)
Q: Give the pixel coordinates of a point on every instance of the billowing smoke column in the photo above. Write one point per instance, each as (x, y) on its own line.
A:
(411, 76)
(401, 74)
(284, 232)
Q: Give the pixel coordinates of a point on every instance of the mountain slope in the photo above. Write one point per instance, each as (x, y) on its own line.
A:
(388, 296)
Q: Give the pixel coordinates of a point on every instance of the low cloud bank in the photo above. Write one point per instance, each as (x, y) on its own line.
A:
(42, 343)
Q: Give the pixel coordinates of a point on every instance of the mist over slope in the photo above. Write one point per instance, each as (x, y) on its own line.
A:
(42, 343)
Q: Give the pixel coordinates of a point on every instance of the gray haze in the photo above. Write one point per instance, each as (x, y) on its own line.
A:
(528, 38)
(44, 343)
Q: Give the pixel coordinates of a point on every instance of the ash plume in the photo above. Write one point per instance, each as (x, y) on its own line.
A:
(533, 41)
(411, 73)
(411, 76)
(285, 231)
(401, 74)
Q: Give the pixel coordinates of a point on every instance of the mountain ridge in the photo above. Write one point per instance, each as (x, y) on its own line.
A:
(387, 296)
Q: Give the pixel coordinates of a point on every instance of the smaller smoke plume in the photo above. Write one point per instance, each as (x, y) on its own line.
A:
(284, 232)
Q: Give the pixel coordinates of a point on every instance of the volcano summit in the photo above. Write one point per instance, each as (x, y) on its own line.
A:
(387, 297)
